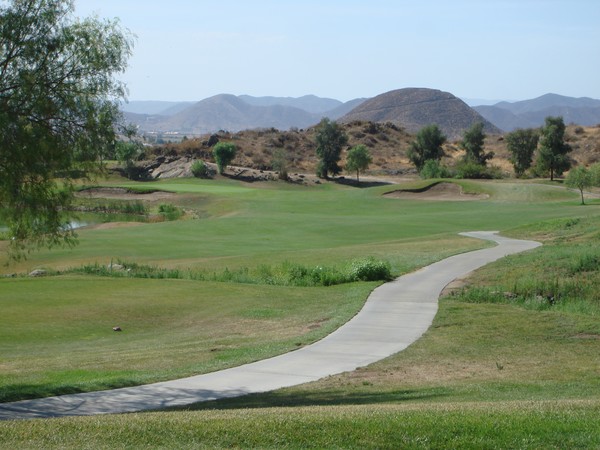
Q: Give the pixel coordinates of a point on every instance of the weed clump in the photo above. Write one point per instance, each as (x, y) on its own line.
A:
(286, 274)
(370, 269)
(170, 212)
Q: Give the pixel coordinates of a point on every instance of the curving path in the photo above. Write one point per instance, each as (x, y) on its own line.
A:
(395, 315)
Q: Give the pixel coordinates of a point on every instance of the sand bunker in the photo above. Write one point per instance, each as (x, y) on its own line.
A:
(124, 194)
(439, 192)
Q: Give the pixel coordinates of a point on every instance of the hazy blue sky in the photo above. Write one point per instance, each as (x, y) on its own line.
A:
(491, 49)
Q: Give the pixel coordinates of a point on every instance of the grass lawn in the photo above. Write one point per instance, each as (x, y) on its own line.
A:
(60, 338)
(510, 362)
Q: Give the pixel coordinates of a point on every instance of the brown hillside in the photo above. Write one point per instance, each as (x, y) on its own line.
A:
(414, 108)
(256, 148)
(387, 142)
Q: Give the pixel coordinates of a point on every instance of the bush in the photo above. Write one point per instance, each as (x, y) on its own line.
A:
(370, 269)
(327, 276)
(434, 169)
(169, 211)
(472, 170)
(200, 169)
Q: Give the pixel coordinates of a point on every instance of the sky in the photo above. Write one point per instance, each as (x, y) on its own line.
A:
(188, 50)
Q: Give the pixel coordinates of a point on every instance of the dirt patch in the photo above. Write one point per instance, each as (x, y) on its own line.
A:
(439, 191)
(124, 194)
(456, 285)
(587, 336)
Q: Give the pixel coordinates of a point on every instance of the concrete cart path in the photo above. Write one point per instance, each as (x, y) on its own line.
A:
(395, 315)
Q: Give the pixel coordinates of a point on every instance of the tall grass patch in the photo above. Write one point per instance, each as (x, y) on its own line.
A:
(563, 275)
(285, 274)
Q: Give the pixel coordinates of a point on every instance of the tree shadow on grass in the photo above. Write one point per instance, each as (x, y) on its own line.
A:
(19, 391)
(318, 398)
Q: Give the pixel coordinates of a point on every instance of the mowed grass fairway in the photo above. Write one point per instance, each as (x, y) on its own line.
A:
(488, 374)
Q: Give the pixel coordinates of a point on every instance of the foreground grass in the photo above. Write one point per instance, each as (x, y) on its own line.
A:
(471, 425)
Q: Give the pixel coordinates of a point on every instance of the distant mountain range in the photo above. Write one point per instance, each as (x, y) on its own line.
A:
(532, 113)
(234, 113)
(411, 108)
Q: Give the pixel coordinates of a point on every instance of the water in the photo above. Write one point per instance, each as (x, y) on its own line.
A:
(73, 225)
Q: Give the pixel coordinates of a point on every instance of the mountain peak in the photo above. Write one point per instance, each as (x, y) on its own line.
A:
(414, 108)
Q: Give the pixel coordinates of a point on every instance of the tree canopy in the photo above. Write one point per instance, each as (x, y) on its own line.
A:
(358, 159)
(224, 152)
(522, 144)
(58, 109)
(553, 150)
(579, 178)
(330, 139)
(473, 145)
(426, 146)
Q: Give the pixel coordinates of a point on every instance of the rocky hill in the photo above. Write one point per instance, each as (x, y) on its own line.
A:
(414, 108)
(531, 113)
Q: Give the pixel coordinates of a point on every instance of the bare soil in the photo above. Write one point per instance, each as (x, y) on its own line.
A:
(124, 194)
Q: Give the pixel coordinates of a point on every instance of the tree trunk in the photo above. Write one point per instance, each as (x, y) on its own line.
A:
(357, 180)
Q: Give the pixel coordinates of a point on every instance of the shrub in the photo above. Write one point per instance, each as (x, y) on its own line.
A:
(473, 170)
(200, 169)
(434, 169)
(169, 211)
(327, 276)
(370, 269)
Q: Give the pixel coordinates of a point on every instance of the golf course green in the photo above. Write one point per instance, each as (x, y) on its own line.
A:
(510, 361)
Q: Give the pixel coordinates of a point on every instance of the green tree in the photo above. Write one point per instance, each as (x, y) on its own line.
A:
(358, 159)
(595, 174)
(129, 150)
(280, 163)
(330, 139)
(553, 150)
(58, 109)
(426, 146)
(579, 178)
(224, 152)
(473, 145)
(522, 144)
